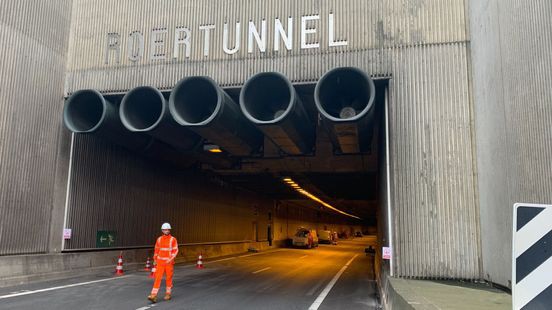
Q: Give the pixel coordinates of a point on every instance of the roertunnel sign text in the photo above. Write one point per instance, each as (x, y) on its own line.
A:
(256, 36)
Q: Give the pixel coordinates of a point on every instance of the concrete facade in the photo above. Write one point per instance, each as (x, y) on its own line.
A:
(467, 139)
(34, 38)
(433, 184)
(512, 71)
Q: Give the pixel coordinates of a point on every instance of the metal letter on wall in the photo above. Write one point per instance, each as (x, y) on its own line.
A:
(113, 43)
(331, 33)
(279, 32)
(181, 37)
(260, 39)
(157, 45)
(207, 38)
(135, 46)
(225, 40)
(308, 30)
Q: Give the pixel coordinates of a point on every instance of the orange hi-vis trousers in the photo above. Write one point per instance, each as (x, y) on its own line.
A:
(166, 249)
(161, 269)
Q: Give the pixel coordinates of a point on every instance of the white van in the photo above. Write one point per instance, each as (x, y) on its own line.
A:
(325, 236)
(305, 238)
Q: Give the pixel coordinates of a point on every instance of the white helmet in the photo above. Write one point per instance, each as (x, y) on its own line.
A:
(166, 226)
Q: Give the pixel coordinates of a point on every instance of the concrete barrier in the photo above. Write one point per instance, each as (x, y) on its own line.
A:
(22, 269)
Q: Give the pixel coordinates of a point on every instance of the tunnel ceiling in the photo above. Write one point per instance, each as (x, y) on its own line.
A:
(346, 180)
(355, 193)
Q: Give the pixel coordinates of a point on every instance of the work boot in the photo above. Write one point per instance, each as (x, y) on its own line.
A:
(167, 297)
(152, 298)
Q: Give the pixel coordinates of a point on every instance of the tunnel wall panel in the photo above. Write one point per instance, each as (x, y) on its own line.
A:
(114, 190)
(33, 44)
(435, 214)
(512, 72)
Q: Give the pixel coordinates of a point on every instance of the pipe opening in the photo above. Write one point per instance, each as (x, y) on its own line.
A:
(142, 108)
(266, 97)
(84, 111)
(345, 93)
(195, 100)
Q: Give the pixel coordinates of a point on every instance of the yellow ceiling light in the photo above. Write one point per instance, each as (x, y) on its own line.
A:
(296, 186)
(212, 148)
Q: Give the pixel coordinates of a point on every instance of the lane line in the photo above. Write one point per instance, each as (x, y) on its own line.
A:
(274, 251)
(315, 288)
(303, 257)
(328, 287)
(146, 307)
(264, 269)
(60, 287)
(220, 260)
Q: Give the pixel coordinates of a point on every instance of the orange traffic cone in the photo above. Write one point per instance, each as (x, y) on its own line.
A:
(148, 265)
(119, 267)
(153, 270)
(199, 264)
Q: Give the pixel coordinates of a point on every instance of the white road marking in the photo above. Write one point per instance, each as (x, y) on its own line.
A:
(146, 307)
(303, 256)
(264, 269)
(22, 291)
(315, 288)
(247, 255)
(328, 287)
(220, 260)
(59, 287)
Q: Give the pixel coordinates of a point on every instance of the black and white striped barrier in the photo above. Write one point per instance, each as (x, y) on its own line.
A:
(532, 257)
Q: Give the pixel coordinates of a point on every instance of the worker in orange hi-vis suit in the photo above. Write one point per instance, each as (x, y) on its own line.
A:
(166, 249)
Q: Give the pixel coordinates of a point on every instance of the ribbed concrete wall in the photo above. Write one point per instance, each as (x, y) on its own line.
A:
(432, 164)
(422, 45)
(370, 27)
(512, 70)
(33, 44)
(114, 190)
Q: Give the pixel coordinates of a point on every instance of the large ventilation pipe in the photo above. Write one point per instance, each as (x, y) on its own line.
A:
(269, 100)
(345, 99)
(201, 105)
(87, 112)
(144, 109)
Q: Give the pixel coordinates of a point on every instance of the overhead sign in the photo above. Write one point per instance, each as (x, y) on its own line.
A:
(164, 43)
(532, 257)
(105, 239)
(386, 252)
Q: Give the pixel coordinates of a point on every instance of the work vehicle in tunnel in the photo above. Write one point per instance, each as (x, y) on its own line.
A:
(305, 238)
(325, 236)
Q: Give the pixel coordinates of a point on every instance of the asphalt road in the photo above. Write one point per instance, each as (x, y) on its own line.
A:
(328, 277)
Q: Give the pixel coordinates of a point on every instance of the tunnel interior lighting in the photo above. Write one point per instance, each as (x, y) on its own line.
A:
(298, 188)
(213, 148)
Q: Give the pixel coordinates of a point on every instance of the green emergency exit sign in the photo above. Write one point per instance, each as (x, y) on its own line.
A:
(105, 239)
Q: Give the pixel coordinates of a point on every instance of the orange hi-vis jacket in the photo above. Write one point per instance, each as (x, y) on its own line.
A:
(166, 249)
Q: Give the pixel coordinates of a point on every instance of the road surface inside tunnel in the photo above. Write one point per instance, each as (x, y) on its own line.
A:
(328, 277)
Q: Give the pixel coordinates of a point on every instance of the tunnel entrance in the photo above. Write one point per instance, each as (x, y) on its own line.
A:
(350, 182)
(261, 165)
